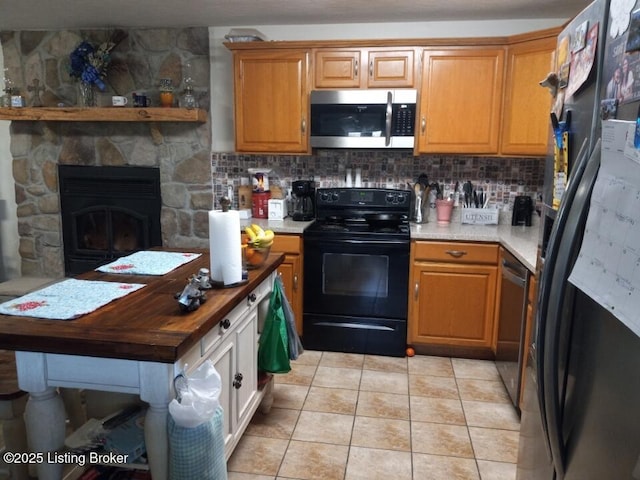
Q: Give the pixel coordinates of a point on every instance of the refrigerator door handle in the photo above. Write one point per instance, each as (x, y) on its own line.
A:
(559, 323)
(546, 287)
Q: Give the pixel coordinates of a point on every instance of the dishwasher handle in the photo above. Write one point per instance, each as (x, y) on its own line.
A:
(514, 273)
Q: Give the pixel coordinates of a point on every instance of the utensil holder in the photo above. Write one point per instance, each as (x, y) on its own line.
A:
(443, 211)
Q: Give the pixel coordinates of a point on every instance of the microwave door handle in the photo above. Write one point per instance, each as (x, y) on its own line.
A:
(387, 119)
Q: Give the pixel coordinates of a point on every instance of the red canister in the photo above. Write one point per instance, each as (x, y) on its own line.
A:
(260, 204)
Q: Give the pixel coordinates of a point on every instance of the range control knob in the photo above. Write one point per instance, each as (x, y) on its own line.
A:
(402, 198)
(390, 197)
(324, 197)
(335, 197)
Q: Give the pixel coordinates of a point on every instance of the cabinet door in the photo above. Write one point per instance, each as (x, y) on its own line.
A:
(337, 68)
(224, 363)
(453, 305)
(271, 106)
(525, 120)
(291, 273)
(460, 100)
(391, 68)
(245, 380)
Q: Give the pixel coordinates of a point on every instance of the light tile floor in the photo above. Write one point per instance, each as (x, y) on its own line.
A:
(340, 416)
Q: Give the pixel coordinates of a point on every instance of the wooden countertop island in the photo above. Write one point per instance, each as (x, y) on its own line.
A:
(145, 325)
(138, 344)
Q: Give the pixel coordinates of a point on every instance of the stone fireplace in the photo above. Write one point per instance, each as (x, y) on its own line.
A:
(181, 152)
(107, 212)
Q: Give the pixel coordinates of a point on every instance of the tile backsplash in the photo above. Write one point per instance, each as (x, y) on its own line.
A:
(503, 177)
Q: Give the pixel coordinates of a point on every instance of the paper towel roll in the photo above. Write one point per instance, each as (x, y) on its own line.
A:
(225, 246)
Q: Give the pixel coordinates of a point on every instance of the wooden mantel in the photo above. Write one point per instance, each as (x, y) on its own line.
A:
(104, 114)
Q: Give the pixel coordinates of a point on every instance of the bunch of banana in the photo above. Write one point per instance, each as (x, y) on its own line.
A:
(257, 237)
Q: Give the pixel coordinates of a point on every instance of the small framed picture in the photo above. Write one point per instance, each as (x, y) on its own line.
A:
(633, 38)
(579, 38)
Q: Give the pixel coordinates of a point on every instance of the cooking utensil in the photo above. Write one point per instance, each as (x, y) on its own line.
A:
(468, 193)
(423, 180)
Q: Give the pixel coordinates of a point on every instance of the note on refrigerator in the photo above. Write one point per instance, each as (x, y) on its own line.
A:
(608, 265)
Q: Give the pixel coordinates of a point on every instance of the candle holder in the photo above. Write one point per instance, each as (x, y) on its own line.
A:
(166, 92)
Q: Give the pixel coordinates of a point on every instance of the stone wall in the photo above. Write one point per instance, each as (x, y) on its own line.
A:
(180, 150)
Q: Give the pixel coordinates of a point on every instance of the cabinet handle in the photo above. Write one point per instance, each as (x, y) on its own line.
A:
(252, 297)
(225, 324)
(295, 282)
(423, 125)
(237, 381)
(416, 291)
(355, 71)
(371, 68)
(456, 253)
(303, 126)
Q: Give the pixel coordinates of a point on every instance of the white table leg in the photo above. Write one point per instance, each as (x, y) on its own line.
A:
(155, 437)
(14, 433)
(44, 418)
(156, 380)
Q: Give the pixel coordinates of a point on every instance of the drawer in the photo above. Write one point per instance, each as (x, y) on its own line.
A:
(287, 244)
(456, 252)
(212, 338)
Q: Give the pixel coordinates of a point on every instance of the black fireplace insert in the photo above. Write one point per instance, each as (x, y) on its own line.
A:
(107, 212)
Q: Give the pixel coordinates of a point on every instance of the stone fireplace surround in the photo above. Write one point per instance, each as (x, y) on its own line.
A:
(180, 150)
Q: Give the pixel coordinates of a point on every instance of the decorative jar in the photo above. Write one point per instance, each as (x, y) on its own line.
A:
(166, 92)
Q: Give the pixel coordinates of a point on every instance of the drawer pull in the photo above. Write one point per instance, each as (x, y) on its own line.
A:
(237, 381)
(252, 297)
(295, 283)
(416, 290)
(225, 324)
(456, 253)
(423, 125)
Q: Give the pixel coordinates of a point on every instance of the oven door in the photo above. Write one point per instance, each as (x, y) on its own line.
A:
(356, 278)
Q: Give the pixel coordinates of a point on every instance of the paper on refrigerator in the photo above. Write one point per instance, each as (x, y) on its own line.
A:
(608, 264)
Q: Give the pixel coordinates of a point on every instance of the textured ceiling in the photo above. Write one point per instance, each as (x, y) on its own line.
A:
(73, 14)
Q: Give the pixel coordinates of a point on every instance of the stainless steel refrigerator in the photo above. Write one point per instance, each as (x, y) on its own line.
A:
(581, 410)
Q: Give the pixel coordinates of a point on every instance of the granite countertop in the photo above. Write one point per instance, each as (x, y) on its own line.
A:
(520, 241)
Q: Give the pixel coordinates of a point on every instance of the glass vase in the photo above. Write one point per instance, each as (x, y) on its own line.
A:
(87, 95)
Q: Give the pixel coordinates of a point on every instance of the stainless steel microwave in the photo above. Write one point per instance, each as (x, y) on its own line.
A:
(363, 118)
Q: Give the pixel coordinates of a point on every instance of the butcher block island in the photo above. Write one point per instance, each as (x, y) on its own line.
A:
(138, 344)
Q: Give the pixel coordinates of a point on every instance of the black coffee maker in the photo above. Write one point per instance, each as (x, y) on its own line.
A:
(522, 210)
(304, 200)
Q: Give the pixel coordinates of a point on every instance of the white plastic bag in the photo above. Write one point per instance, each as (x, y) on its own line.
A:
(197, 396)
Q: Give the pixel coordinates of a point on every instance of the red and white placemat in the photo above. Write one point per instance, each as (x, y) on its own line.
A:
(68, 299)
(148, 262)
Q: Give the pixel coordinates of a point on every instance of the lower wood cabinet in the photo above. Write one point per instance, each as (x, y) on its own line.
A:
(291, 272)
(452, 298)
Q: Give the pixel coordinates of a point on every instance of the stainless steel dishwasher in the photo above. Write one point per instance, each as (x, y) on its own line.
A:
(510, 351)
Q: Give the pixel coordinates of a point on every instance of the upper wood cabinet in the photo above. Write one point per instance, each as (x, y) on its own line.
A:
(525, 118)
(364, 68)
(460, 100)
(271, 100)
